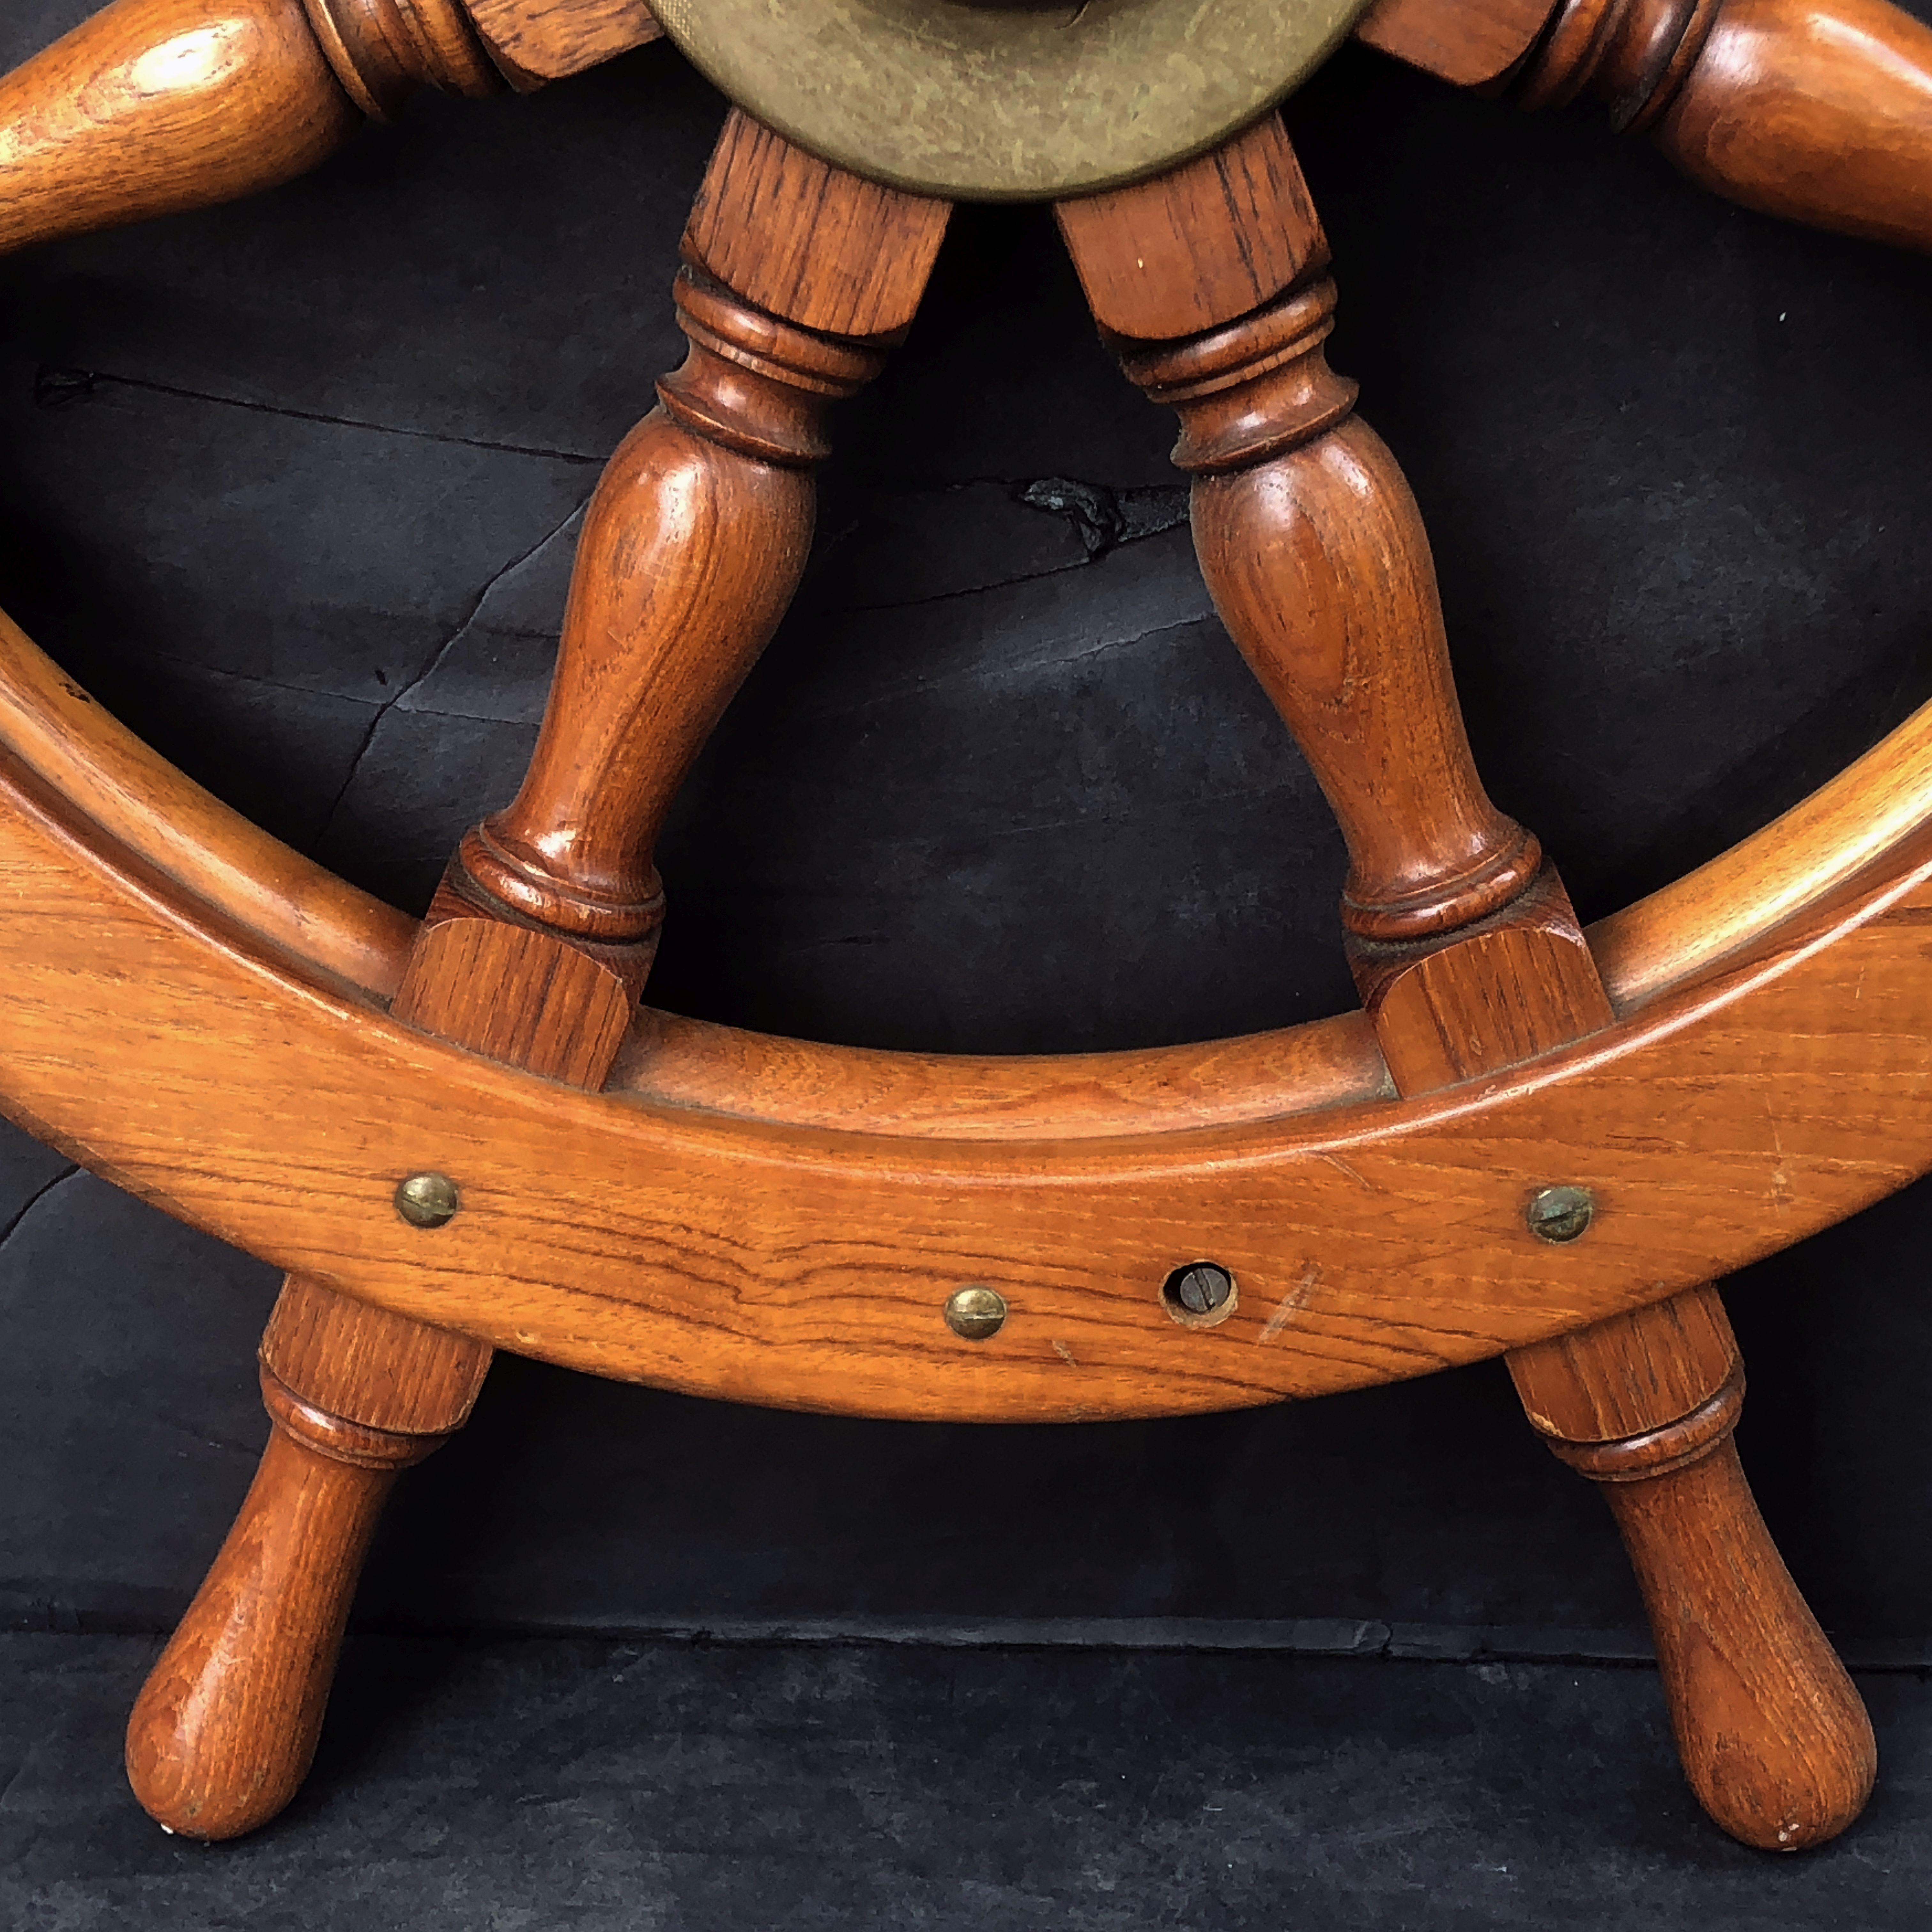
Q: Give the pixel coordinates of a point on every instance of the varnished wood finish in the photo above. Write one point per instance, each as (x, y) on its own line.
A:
(155, 105)
(1773, 1738)
(223, 1732)
(1631, 1375)
(1315, 553)
(228, 875)
(799, 239)
(383, 51)
(1466, 42)
(1200, 246)
(699, 528)
(532, 956)
(1817, 110)
(807, 1266)
(364, 1365)
(1516, 985)
(534, 42)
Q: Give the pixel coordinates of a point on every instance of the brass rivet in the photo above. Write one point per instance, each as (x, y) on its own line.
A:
(427, 1200)
(975, 1312)
(1201, 1295)
(1560, 1213)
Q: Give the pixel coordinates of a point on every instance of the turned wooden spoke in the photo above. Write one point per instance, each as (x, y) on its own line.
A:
(652, 1198)
(1817, 110)
(1469, 958)
(541, 937)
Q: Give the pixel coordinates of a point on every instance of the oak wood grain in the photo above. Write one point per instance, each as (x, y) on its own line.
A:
(534, 42)
(1468, 43)
(230, 875)
(1200, 246)
(1817, 110)
(225, 1728)
(1773, 1738)
(803, 240)
(155, 105)
(807, 1266)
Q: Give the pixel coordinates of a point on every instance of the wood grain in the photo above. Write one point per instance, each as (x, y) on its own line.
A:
(808, 1267)
(534, 42)
(1468, 43)
(1199, 246)
(384, 51)
(805, 241)
(156, 105)
(1817, 110)
(1773, 1738)
(231, 876)
(695, 541)
(225, 1729)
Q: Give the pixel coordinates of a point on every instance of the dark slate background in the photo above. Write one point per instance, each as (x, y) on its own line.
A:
(293, 485)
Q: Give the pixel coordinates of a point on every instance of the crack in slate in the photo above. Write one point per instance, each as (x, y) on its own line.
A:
(61, 388)
(34, 1199)
(429, 667)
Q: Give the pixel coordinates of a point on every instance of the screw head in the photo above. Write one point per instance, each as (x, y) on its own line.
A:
(1560, 1213)
(1200, 1295)
(973, 1313)
(427, 1200)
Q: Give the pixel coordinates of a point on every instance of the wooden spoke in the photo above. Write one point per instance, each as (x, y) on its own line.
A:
(467, 1134)
(541, 936)
(1817, 110)
(1471, 961)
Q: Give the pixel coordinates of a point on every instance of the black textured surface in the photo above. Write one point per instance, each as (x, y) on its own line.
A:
(495, 1788)
(292, 484)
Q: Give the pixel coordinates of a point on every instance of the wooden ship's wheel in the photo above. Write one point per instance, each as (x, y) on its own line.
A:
(468, 1134)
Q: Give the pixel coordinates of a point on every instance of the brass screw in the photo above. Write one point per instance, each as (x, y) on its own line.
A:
(427, 1200)
(1560, 1213)
(975, 1312)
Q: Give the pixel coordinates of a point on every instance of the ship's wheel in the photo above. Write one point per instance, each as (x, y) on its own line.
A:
(468, 1134)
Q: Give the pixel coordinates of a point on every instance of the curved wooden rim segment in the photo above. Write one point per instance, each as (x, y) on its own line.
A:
(197, 1011)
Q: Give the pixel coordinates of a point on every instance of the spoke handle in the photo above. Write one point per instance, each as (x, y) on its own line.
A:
(1819, 111)
(1773, 1738)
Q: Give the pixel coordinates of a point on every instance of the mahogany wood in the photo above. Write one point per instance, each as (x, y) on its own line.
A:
(1774, 1737)
(383, 51)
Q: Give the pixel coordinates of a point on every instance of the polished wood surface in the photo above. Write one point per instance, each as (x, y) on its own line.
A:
(1817, 110)
(227, 874)
(777, 1222)
(1200, 246)
(155, 105)
(1466, 42)
(532, 956)
(223, 1732)
(534, 42)
(1314, 550)
(807, 1267)
(1774, 1737)
(1315, 553)
(802, 240)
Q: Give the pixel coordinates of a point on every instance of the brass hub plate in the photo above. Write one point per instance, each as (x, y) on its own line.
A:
(1023, 101)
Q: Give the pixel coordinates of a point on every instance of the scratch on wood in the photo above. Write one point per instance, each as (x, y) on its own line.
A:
(1360, 1180)
(1065, 1354)
(1291, 1304)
